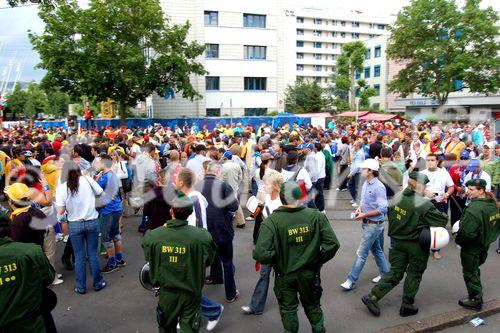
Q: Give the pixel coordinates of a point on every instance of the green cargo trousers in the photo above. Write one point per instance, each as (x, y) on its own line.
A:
(286, 288)
(32, 324)
(406, 256)
(471, 259)
(178, 307)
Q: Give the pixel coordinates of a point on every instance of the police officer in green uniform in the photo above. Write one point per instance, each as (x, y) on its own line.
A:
(479, 227)
(296, 240)
(409, 212)
(178, 255)
(24, 273)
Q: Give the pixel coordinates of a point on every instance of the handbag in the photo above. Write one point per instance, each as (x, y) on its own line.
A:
(100, 200)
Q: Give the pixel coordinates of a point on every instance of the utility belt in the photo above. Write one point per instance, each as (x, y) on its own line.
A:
(368, 221)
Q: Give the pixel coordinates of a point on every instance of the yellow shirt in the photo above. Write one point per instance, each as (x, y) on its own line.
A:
(3, 159)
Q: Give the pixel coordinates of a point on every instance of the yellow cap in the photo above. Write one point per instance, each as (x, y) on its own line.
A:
(18, 192)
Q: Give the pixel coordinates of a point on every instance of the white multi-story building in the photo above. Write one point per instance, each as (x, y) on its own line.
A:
(375, 71)
(244, 45)
(255, 49)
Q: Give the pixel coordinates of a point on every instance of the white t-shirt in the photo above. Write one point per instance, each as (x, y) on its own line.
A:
(439, 181)
(203, 207)
(196, 165)
(81, 205)
(320, 157)
(482, 175)
(260, 182)
(303, 175)
(270, 205)
(137, 150)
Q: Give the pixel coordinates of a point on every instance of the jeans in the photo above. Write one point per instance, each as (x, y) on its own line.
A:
(210, 309)
(85, 239)
(372, 240)
(319, 199)
(111, 232)
(353, 186)
(253, 187)
(223, 262)
(259, 296)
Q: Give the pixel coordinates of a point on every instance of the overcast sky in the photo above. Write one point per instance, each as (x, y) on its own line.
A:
(15, 47)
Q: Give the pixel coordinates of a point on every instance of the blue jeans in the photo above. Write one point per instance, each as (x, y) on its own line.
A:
(259, 296)
(372, 240)
(111, 229)
(209, 309)
(354, 186)
(85, 239)
(222, 270)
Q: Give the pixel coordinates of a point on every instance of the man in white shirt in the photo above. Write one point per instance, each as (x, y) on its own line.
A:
(319, 200)
(439, 189)
(185, 182)
(196, 163)
(474, 171)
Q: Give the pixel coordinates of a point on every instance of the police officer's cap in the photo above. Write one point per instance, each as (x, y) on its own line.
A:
(290, 191)
(419, 177)
(477, 183)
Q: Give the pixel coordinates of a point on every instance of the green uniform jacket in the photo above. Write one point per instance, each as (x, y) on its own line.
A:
(480, 224)
(410, 212)
(178, 255)
(24, 271)
(292, 239)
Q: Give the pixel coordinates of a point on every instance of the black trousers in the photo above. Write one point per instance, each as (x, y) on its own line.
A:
(457, 205)
(342, 178)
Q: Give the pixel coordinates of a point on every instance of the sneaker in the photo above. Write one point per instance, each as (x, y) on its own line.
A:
(474, 304)
(343, 190)
(65, 239)
(78, 291)
(323, 212)
(109, 268)
(59, 237)
(121, 263)
(408, 310)
(240, 226)
(234, 299)
(249, 218)
(498, 250)
(352, 201)
(103, 285)
(213, 323)
(247, 310)
(348, 285)
(436, 255)
(355, 205)
(57, 281)
(371, 304)
(337, 189)
(59, 275)
(376, 279)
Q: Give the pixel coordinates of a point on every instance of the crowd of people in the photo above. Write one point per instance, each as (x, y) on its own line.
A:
(76, 188)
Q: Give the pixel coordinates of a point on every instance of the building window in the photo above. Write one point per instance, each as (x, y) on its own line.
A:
(300, 55)
(317, 56)
(377, 89)
(249, 112)
(300, 31)
(371, 25)
(211, 18)
(334, 22)
(317, 68)
(381, 26)
(334, 34)
(334, 46)
(317, 32)
(213, 112)
(368, 54)
(334, 56)
(342, 34)
(300, 43)
(300, 20)
(355, 35)
(254, 21)
(317, 79)
(255, 83)
(371, 35)
(342, 23)
(367, 72)
(212, 83)
(357, 75)
(378, 51)
(326, 80)
(317, 21)
(355, 24)
(317, 45)
(300, 67)
(254, 52)
(376, 71)
(212, 51)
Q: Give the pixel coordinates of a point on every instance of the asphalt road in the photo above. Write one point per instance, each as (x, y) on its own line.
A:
(124, 306)
(492, 326)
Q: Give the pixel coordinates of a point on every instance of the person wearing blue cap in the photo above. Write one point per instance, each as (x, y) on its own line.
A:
(474, 171)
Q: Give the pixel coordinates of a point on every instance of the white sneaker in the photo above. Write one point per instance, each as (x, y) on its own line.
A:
(323, 212)
(246, 310)
(58, 275)
(355, 205)
(347, 285)
(337, 189)
(57, 281)
(213, 323)
(249, 218)
(65, 239)
(352, 201)
(376, 279)
(59, 237)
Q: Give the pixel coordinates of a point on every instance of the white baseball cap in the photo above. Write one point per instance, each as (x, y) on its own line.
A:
(370, 163)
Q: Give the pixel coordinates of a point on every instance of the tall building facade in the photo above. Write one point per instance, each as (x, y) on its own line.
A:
(255, 49)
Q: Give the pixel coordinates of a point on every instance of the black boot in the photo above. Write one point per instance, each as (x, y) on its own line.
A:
(372, 304)
(407, 310)
(471, 303)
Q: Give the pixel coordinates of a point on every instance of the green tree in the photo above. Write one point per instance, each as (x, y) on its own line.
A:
(36, 100)
(364, 93)
(16, 101)
(445, 48)
(349, 62)
(306, 97)
(124, 50)
(57, 103)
